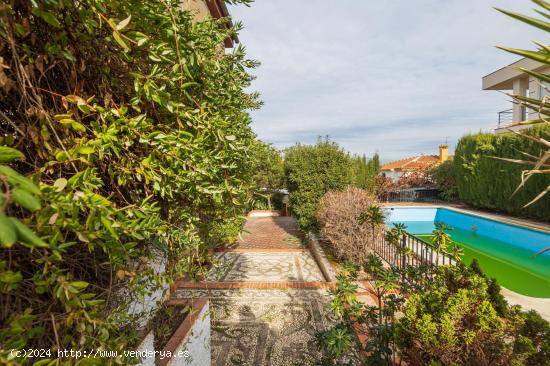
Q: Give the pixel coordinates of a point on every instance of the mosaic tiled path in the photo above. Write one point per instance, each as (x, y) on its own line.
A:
(268, 298)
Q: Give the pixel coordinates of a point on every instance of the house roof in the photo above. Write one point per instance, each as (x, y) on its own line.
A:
(414, 163)
(503, 78)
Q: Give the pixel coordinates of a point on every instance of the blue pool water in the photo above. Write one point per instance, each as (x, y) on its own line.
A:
(503, 251)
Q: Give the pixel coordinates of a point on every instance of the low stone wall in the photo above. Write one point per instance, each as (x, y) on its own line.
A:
(147, 306)
(321, 258)
(190, 343)
(264, 213)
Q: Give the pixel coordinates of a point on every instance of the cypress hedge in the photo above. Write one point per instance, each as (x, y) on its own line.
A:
(485, 182)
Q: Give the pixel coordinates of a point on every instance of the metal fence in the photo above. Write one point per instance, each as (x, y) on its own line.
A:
(413, 195)
(410, 251)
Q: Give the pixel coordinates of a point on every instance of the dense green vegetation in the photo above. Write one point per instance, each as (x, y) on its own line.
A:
(457, 317)
(485, 182)
(443, 176)
(313, 170)
(268, 177)
(125, 134)
(365, 171)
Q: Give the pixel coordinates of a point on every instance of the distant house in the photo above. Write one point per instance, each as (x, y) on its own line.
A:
(214, 8)
(512, 79)
(414, 164)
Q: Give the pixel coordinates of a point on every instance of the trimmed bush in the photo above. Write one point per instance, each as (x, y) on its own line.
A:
(311, 171)
(338, 216)
(489, 183)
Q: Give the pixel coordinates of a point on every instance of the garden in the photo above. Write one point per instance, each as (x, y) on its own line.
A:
(128, 165)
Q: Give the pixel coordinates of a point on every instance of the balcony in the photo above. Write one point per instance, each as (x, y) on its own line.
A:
(505, 117)
(506, 120)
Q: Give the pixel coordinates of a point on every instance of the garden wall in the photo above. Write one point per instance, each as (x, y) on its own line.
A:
(190, 343)
(485, 182)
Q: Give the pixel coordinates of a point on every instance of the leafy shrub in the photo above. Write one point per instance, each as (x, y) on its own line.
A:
(446, 320)
(338, 216)
(311, 171)
(443, 175)
(489, 183)
(537, 332)
(134, 135)
(454, 322)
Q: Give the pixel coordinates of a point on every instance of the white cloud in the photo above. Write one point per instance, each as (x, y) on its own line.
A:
(398, 77)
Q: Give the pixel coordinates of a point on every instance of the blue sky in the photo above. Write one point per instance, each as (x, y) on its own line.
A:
(395, 76)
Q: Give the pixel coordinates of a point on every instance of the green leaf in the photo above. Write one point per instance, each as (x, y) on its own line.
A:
(10, 277)
(140, 38)
(79, 284)
(8, 236)
(21, 30)
(18, 180)
(230, 137)
(25, 199)
(119, 40)
(61, 156)
(77, 126)
(67, 121)
(26, 235)
(8, 154)
(123, 23)
(189, 84)
(47, 17)
(60, 184)
(86, 150)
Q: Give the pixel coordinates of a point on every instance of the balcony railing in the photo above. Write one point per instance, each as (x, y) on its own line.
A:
(505, 117)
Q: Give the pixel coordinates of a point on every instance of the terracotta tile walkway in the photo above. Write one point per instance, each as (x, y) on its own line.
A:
(270, 233)
(268, 297)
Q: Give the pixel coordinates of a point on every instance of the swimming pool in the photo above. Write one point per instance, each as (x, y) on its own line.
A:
(504, 251)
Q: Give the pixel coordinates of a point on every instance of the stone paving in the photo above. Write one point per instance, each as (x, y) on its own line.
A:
(264, 327)
(269, 267)
(268, 297)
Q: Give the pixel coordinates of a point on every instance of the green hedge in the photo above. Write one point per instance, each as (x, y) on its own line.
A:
(485, 182)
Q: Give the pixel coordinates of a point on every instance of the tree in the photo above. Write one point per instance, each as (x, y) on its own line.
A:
(268, 170)
(311, 171)
(443, 175)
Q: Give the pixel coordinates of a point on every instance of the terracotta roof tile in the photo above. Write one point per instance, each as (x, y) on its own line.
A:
(421, 162)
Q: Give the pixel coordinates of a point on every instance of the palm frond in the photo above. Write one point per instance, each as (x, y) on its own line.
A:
(545, 26)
